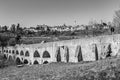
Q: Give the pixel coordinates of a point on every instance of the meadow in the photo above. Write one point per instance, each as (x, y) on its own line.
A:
(107, 69)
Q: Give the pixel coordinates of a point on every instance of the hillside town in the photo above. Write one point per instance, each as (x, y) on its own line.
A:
(60, 28)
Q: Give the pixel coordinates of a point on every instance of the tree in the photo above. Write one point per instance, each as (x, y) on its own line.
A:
(13, 28)
(116, 19)
(112, 29)
(4, 41)
(0, 28)
(18, 27)
(17, 39)
(86, 30)
(48, 29)
(12, 42)
(104, 24)
(4, 28)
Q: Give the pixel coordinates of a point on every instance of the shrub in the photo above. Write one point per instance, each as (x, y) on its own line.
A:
(12, 42)
(2, 61)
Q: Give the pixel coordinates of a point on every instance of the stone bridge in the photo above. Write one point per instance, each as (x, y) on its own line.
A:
(76, 50)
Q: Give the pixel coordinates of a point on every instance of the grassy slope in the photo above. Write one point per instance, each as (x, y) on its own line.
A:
(99, 70)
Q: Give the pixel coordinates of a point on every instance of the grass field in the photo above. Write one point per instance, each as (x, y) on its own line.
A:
(108, 69)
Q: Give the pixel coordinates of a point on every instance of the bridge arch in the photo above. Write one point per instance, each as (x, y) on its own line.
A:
(22, 53)
(6, 51)
(10, 58)
(14, 57)
(9, 51)
(36, 62)
(78, 54)
(67, 54)
(17, 52)
(27, 54)
(26, 61)
(36, 54)
(18, 61)
(13, 51)
(5, 57)
(58, 55)
(46, 54)
(45, 62)
(96, 52)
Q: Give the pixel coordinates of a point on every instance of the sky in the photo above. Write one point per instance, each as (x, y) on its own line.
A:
(56, 12)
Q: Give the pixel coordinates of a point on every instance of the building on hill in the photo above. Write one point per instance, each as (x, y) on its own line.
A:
(30, 29)
(42, 27)
(79, 27)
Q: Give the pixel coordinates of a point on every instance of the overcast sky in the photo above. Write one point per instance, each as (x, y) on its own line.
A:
(56, 12)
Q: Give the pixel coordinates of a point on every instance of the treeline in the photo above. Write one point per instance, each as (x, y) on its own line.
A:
(15, 33)
(45, 30)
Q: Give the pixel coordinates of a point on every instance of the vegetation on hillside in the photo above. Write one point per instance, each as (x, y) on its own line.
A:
(16, 32)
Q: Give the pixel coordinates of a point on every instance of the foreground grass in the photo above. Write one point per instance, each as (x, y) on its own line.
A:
(108, 69)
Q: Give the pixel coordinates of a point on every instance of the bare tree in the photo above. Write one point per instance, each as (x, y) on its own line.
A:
(116, 19)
